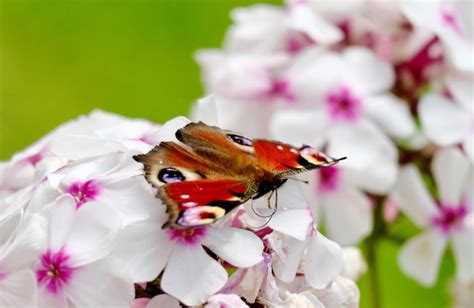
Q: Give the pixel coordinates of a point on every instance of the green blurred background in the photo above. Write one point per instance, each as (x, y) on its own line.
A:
(60, 59)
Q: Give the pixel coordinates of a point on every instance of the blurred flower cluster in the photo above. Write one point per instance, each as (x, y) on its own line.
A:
(388, 84)
(80, 226)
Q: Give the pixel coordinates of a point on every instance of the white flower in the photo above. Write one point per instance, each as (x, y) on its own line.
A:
(75, 258)
(189, 273)
(111, 180)
(322, 258)
(21, 238)
(446, 122)
(451, 21)
(451, 220)
(266, 28)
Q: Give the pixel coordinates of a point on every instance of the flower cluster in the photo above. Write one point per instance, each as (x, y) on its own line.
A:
(387, 84)
(80, 226)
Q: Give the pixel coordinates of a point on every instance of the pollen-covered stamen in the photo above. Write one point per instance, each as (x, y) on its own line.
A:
(187, 236)
(54, 271)
(343, 104)
(84, 192)
(328, 179)
(450, 218)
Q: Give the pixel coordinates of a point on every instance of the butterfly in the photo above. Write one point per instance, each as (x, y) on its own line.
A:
(212, 171)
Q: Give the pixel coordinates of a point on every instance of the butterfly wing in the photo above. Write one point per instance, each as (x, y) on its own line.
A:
(284, 159)
(208, 169)
(195, 203)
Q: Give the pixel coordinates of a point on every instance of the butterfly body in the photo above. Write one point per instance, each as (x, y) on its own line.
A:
(212, 171)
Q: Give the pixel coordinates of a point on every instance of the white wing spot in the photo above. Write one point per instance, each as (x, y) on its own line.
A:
(184, 196)
(295, 151)
(279, 147)
(189, 204)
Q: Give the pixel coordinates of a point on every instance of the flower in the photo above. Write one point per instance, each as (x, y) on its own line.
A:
(189, 273)
(448, 220)
(266, 28)
(450, 121)
(21, 238)
(450, 22)
(76, 258)
(225, 300)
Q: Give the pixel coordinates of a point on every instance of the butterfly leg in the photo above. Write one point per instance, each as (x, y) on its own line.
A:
(269, 205)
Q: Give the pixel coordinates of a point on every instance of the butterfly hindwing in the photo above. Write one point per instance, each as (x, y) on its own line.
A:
(195, 203)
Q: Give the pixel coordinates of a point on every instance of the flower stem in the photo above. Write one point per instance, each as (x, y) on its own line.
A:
(372, 243)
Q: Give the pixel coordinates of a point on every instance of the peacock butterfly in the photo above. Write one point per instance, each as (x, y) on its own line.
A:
(214, 170)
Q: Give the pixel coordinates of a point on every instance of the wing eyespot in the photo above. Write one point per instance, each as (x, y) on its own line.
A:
(170, 175)
(243, 143)
(240, 140)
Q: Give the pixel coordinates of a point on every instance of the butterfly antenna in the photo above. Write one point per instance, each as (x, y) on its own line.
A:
(339, 159)
(299, 180)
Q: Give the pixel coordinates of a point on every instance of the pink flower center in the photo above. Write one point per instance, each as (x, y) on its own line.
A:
(187, 236)
(450, 218)
(297, 41)
(450, 20)
(83, 192)
(281, 89)
(55, 271)
(343, 104)
(328, 179)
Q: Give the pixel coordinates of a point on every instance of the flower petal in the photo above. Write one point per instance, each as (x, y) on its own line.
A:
(450, 169)
(18, 289)
(363, 143)
(100, 284)
(145, 249)
(300, 126)
(192, 276)
(369, 74)
(348, 214)
(95, 226)
(132, 198)
(240, 248)
(392, 114)
(420, 256)
(205, 110)
(463, 249)
(323, 261)
(411, 196)
(294, 223)
(163, 300)
(302, 18)
(287, 255)
(444, 122)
